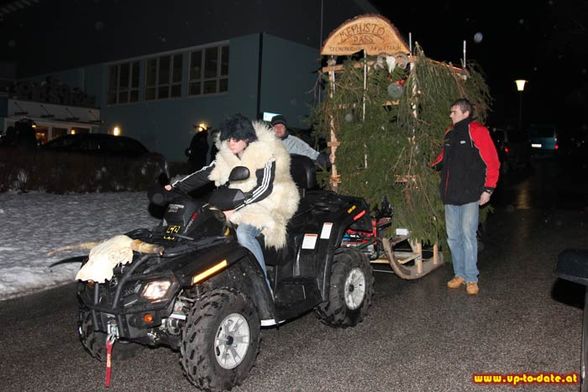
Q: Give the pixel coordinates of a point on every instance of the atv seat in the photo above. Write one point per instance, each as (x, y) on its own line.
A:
(303, 172)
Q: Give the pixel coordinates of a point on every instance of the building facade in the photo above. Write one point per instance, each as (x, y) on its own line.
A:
(159, 70)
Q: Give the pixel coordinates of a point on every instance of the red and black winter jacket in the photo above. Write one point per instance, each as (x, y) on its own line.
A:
(469, 163)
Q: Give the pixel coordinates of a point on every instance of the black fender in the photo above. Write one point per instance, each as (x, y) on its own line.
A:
(238, 269)
(356, 215)
(342, 212)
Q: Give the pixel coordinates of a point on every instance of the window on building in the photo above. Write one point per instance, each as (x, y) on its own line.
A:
(123, 85)
(163, 77)
(209, 70)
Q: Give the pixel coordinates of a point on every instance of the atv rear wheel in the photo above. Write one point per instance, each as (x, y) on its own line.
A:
(350, 291)
(220, 341)
(95, 341)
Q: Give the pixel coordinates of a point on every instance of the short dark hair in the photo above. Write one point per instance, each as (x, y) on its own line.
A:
(464, 105)
(237, 127)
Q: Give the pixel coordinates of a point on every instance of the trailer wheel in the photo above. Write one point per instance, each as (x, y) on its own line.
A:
(220, 340)
(350, 291)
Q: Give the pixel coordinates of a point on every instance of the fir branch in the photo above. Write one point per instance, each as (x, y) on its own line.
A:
(397, 144)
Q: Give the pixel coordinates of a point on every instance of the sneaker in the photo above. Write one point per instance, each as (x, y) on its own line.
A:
(455, 282)
(472, 288)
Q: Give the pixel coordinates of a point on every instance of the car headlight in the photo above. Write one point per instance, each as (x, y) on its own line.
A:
(156, 290)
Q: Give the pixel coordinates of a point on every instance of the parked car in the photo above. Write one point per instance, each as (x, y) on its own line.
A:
(89, 162)
(108, 147)
(543, 139)
(513, 148)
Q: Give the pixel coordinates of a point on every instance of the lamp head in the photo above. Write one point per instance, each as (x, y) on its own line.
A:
(520, 84)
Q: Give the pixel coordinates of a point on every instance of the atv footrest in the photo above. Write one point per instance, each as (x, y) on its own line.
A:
(295, 295)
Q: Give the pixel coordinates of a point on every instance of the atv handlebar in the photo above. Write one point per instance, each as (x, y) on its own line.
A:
(159, 196)
(222, 198)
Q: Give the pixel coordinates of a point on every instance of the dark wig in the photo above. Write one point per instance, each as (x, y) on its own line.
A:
(237, 127)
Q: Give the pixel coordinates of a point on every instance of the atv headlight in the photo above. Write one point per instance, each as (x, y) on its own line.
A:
(156, 290)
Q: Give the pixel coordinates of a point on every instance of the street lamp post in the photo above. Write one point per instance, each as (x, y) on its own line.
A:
(520, 88)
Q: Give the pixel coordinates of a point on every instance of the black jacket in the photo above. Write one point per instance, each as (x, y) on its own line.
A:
(265, 180)
(469, 163)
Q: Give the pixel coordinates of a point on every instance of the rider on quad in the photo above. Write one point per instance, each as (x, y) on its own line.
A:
(271, 196)
(200, 291)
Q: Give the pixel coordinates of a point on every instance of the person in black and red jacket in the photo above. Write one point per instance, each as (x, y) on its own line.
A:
(469, 168)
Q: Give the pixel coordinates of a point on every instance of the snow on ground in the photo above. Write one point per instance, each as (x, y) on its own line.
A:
(32, 224)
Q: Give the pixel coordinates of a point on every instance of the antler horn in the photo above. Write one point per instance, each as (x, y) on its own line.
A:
(80, 246)
(136, 245)
(145, 247)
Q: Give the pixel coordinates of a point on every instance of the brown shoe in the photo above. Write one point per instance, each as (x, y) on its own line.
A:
(472, 288)
(455, 282)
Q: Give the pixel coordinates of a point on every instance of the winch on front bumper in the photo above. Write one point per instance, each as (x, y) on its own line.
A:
(137, 305)
(144, 298)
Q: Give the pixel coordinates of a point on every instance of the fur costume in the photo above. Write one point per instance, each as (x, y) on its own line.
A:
(271, 214)
(104, 257)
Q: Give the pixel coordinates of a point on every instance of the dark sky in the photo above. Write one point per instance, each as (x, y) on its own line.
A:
(544, 41)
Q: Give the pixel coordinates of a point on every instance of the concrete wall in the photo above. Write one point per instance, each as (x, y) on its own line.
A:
(288, 74)
(166, 125)
(289, 77)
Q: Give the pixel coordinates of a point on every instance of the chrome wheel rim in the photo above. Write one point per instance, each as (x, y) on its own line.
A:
(354, 288)
(232, 341)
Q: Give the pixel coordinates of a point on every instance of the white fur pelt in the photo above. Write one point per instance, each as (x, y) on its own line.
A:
(104, 257)
(270, 215)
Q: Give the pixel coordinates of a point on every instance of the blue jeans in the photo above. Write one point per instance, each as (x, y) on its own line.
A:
(462, 224)
(246, 237)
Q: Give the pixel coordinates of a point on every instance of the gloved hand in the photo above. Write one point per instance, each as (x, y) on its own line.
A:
(159, 196)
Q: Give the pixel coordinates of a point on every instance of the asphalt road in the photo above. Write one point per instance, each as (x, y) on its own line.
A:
(418, 336)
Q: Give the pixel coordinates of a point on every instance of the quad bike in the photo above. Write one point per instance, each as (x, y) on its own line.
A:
(572, 265)
(206, 296)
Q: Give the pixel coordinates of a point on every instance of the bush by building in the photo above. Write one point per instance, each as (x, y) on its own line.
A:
(34, 170)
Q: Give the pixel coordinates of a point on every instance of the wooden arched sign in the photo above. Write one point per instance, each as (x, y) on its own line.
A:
(372, 33)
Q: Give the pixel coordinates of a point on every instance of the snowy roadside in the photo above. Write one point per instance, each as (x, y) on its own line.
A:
(32, 224)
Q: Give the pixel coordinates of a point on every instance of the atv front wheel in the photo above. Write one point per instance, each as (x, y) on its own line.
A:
(95, 341)
(350, 291)
(220, 341)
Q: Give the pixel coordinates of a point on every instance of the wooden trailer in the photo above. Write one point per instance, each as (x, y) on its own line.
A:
(374, 35)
